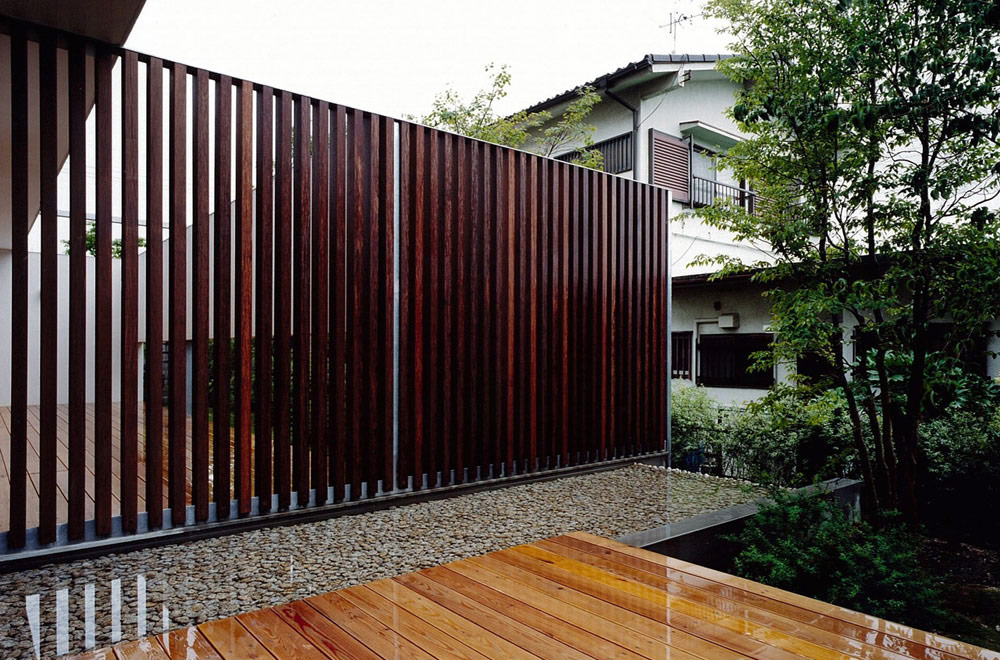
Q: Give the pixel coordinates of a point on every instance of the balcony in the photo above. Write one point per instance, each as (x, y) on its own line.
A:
(705, 192)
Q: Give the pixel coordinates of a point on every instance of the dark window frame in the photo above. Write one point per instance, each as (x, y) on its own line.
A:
(682, 355)
(723, 360)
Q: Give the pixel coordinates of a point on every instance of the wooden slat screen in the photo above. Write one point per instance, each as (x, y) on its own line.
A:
(349, 304)
(670, 164)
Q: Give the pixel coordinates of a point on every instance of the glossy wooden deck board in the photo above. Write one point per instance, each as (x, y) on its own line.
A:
(574, 596)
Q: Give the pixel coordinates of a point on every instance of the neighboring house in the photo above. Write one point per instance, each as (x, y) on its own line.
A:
(664, 120)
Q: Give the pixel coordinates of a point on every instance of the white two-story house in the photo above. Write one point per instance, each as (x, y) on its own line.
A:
(664, 119)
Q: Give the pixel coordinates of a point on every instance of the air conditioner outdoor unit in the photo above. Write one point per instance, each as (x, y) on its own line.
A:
(729, 321)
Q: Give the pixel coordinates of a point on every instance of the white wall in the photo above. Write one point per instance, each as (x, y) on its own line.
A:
(694, 310)
(62, 343)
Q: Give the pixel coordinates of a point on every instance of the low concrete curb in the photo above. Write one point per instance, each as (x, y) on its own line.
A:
(699, 539)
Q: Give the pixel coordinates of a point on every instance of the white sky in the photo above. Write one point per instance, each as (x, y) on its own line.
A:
(392, 56)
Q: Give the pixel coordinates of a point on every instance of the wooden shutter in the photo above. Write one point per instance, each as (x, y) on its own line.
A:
(670, 164)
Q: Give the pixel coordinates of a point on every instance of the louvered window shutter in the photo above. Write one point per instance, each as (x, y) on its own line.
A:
(669, 164)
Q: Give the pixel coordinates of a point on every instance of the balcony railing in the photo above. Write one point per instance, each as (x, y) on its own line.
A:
(705, 192)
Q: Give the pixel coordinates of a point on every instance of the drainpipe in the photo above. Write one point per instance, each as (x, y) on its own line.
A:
(636, 120)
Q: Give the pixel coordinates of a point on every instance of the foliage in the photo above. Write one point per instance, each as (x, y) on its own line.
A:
(694, 419)
(91, 238)
(962, 470)
(790, 438)
(807, 544)
(874, 157)
(478, 118)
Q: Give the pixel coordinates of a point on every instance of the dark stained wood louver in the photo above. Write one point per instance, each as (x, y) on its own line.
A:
(669, 164)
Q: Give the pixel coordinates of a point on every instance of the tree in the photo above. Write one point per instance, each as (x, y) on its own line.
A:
(478, 118)
(116, 244)
(873, 144)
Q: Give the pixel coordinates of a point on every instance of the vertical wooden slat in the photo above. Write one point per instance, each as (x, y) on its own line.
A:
(473, 292)
(387, 163)
(600, 312)
(338, 298)
(264, 302)
(510, 229)
(533, 284)
(48, 97)
(521, 312)
(129, 293)
(564, 280)
(102, 310)
(433, 379)
(244, 294)
(407, 414)
(498, 384)
(418, 269)
(19, 293)
(372, 268)
(300, 334)
(320, 298)
(356, 296)
(460, 403)
(543, 327)
(487, 212)
(447, 337)
(177, 367)
(283, 303)
(200, 300)
(222, 285)
(77, 413)
(153, 418)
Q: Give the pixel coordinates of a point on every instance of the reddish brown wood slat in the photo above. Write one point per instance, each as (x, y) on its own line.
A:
(244, 294)
(510, 294)
(521, 297)
(129, 433)
(301, 299)
(283, 303)
(177, 366)
(19, 293)
(435, 252)
(357, 295)
(407, 329)
(472, 227)
(48, 97)
(320, 298)
(369, 339)
(449, 255)
(222, 286)
(385, 347)
(533, 284)
(153, 395)
(338, 298)
(263, 407)
(200, 300)
(77, 416)
(461, 402)
(102, 309)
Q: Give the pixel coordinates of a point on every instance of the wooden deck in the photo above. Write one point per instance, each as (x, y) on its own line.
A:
(62, 471)
(574, 596)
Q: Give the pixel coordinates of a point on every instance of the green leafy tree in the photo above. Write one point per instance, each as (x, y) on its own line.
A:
(873, 143)
(116, 244)
(478, 118)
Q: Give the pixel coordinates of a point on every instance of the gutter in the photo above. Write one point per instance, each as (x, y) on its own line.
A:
(636, 121)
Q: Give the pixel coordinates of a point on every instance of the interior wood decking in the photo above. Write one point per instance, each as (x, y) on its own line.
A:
(62, 471)
(575, 596)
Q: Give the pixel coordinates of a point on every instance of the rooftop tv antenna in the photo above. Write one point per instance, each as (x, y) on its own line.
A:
(674, 23)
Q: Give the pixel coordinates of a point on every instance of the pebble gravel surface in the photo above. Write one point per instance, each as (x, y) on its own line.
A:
(201, 580)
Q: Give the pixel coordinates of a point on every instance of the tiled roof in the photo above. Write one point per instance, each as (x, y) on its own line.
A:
(627, 70)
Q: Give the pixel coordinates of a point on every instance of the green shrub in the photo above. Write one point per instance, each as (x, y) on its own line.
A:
(789, 438)
(961, 471)
(808, 545)
(694, 419)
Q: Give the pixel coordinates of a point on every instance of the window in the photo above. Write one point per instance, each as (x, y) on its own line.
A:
(723, 360)
(617, 152)
(680, 355)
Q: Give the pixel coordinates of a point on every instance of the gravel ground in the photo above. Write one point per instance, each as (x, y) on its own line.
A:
(202, 580)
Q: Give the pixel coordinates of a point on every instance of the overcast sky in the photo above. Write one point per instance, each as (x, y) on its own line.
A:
(392, 56)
